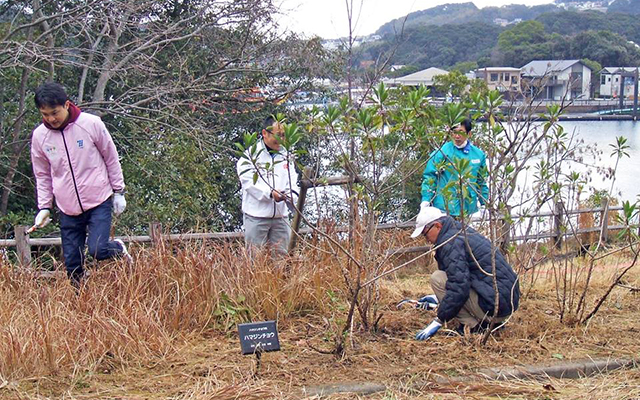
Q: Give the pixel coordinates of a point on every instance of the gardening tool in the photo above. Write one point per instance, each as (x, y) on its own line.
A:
(290, 205)
(34, 227)
(428, 302)
(413, 302)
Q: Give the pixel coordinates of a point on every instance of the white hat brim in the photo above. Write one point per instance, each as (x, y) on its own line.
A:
(417, 231)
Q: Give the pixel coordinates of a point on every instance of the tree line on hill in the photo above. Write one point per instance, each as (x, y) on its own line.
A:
(463, 13)
(608, 39)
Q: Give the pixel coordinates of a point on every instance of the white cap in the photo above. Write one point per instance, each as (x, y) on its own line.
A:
(427, 215)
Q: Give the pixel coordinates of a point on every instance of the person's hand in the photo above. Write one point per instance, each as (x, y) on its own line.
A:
(119, 203)
(277, 196)
(42, 218)
(428, 302)
(429, 331)
(483, 213)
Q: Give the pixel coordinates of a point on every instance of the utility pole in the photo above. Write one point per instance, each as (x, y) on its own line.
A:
(622, 73)
(635, 96)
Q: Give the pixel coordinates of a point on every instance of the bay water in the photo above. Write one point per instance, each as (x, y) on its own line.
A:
(603, 134)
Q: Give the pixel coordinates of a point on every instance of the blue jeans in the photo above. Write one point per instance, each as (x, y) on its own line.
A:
(73, 230)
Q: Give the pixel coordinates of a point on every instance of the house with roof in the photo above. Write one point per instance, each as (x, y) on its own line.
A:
(612, 80)
(425, 77)
(557, 79)
(506, 80)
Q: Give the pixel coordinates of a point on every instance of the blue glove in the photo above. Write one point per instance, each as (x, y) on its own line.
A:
(429, 331)
(428, 302)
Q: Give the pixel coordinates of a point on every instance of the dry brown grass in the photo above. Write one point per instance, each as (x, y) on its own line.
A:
(164, 328)
(128, 313)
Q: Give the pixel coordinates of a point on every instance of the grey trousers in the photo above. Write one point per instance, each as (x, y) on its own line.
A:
(273, 232)
(471, 314)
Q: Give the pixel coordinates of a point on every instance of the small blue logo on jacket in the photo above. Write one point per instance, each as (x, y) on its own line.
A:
(80, 144)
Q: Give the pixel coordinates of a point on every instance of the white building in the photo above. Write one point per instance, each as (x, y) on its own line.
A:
(424, 77)
(611, 81)
(500, 21)
(558, 79)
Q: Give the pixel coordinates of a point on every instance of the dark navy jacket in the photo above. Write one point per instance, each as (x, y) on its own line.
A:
(463, 272)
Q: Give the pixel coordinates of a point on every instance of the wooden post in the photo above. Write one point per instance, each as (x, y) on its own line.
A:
(604, 221)
(308, 175)
(23, 247)
(155, 232)
(557, 224)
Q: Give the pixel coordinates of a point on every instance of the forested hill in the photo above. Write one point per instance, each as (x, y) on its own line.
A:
(573, 22)
(607, 38)
(464, 13)
(439, 46)
(625, 6)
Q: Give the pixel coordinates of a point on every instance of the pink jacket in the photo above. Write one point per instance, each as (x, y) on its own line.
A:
(95, 171)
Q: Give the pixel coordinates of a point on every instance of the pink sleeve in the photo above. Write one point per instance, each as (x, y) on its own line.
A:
(106, 147)
(42, 172)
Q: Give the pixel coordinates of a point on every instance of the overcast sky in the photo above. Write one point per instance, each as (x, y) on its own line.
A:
(328, 18)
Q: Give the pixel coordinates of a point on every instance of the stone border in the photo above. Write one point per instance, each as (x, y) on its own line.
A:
(573, 370)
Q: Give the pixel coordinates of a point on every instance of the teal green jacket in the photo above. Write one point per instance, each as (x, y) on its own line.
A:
(439, 172)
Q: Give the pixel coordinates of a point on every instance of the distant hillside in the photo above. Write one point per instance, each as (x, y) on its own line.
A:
(572, 22)
(462, 13)
(437, 46)
(625, 6)
(604, 38)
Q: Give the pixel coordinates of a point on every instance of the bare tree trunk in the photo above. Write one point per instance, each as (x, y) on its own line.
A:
(89, 62)
(17, 148)
(50, 39)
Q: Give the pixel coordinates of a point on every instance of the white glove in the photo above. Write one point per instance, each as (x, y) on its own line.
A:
(483, 213)
(119, 203)
(424, 204)
(42, 219)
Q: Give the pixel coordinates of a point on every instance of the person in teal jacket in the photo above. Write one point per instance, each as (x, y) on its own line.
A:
(440, 171)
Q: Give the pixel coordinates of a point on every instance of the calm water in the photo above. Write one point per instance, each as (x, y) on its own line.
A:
(600, 133)
(604, 133)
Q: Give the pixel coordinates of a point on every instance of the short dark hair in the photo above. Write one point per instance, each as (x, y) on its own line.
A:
(467, 124)
(50, 94)
(268, 123)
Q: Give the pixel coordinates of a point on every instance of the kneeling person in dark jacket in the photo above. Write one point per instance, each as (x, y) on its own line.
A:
(463, 283)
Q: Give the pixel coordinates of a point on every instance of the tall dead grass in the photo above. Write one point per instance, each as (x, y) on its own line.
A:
(129, 314)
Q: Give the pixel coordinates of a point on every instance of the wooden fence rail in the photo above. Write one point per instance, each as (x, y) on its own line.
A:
(23, 243)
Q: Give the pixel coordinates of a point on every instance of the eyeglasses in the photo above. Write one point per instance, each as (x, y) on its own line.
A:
(271, 132)
(428, 229)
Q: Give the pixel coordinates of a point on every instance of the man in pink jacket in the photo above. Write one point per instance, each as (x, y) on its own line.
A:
(76, 163)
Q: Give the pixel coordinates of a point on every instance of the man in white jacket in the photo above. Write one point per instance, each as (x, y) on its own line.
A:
(264, 200)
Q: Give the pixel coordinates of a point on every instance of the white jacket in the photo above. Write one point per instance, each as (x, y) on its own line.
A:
(256, 197)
